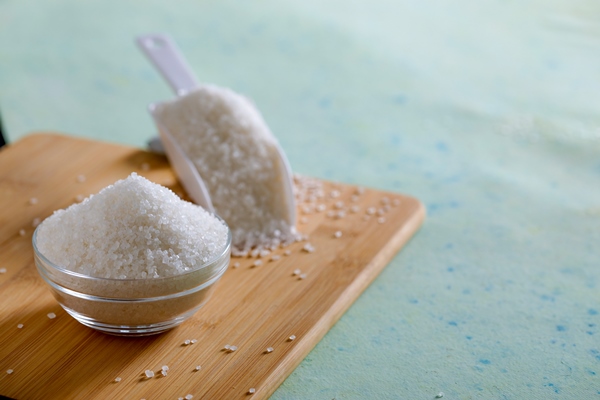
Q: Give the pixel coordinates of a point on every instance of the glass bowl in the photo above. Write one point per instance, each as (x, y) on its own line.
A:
(132, 307)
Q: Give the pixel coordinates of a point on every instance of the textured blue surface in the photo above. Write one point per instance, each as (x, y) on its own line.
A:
(487, 111)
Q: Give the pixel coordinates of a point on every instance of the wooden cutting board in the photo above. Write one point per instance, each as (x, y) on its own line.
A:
(253, 308)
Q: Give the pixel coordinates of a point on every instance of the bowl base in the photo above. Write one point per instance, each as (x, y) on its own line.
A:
(129, 330)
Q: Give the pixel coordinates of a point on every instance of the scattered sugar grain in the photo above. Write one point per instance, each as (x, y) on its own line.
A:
(51, 315)
(187, 342)
(291, 338)
(303, 220)
(354, 209)
(385, 200)
(36, 222)
(264, 253)
(275, 257)
(236, 265)
(81, 178)
(22, 232)
(396, 202)
(79, 198)
(297, 272)
(255, 253)
(149, 373)
(308, 248)
(118, 379)
(20, 326)
(257, 263)
(340, 214)
(233, 348)
(439, 395)
(381, 220)
(269, 350)
(145, 166)
(334, 194)
(302, 276)
(2, 270)
(252, 390)
(198, 368)
(193, 341)
(321, 207)
(133, 229)
(163, 372)
(339, 205)
(307, 209)
(165, 368)
(381, 212)
(33, 201)
(9, 371)
(337, 234)
(287, 252)
(371, 210)
(227, 347)
(189, 397)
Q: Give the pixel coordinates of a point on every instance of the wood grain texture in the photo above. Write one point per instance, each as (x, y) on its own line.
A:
(252, 308)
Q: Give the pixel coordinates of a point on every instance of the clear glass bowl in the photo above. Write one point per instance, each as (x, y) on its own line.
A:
(132, 307)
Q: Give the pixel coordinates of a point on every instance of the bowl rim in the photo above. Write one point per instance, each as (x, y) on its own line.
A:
(79, 275)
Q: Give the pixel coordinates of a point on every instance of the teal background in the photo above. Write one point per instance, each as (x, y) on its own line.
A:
(488, 111)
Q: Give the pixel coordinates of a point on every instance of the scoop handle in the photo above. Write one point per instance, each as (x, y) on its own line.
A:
(162, 51)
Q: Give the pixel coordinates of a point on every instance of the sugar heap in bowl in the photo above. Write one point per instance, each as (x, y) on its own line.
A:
(133, 259)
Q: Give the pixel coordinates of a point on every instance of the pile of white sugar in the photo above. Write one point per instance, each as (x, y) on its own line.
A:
(235, 153)
(132, 229)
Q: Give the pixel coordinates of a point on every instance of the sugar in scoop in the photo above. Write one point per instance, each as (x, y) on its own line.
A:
(236, 155)
(132, 229)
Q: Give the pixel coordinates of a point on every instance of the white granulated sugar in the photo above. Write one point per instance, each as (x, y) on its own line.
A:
(2, 270)
(198, 368)
(132, 229)
(235, 153)
(20, 326)
(293, 337)
(22, 232)
(33, 201)
(149, 373)
(189, 397)
(51, 315)
(9, 371)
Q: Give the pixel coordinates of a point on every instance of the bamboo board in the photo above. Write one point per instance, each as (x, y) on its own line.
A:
(252, 308)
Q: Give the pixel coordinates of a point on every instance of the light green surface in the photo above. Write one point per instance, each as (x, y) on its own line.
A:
(488, 111)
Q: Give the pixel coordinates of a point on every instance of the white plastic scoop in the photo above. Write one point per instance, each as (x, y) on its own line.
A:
(163, 53)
